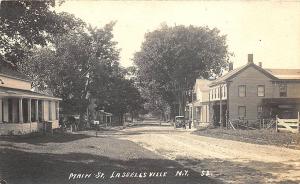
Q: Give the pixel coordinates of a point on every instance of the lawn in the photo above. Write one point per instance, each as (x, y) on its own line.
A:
(263, 136)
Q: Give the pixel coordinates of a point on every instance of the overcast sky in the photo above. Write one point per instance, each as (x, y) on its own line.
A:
(269, 30)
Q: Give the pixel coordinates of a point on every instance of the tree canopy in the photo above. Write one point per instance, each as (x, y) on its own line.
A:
(172, 58)
(80, 66)
(24, 24)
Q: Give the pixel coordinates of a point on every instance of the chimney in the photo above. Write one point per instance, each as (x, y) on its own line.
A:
(260, 64)
(230, 66)
(250, 58)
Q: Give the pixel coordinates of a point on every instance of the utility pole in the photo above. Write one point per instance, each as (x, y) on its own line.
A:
(220, 94)
(193, 108)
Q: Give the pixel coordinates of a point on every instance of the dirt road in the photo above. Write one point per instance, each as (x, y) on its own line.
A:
(229, 161)
(81, 156)
(144, 148)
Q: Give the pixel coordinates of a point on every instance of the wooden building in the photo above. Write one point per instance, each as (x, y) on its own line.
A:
(22, 110)
(252, 92)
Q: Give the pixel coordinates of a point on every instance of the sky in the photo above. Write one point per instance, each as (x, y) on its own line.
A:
(270, 30)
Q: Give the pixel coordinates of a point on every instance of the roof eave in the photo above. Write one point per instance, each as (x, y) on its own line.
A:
(286, 80)
(13, 77)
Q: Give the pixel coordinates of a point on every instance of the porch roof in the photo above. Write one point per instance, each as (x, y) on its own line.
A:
(105, 113)
(198, 103)
(281, 101)
(21, 93)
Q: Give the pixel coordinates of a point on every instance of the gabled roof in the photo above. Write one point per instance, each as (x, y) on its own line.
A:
(231, 74)
(9, 71)
(226, 76)
(202, 84)
(285, 73)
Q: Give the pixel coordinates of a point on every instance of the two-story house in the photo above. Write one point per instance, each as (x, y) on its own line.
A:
(21, 109)
(252, 92)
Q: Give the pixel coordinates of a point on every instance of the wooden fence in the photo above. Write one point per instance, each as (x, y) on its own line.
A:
(288, 125)
(281, 125)
(251, 124)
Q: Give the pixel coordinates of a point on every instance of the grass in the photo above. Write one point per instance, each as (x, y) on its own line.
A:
(263, 136)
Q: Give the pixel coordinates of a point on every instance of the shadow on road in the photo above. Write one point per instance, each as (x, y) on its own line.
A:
(143, 124)
(237, 172)
(40, 139)
(27, 167)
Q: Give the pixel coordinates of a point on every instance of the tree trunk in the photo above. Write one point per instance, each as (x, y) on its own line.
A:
(122, 119)
(81, 121)
(131, 117)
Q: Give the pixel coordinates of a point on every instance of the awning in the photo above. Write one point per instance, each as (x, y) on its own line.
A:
(281, 101)
(21, 93)
(200, 103)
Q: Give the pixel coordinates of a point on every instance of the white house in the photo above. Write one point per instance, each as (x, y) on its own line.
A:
(22, 110)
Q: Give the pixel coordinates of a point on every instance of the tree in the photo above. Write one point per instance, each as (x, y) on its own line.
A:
(122, 97)
(173, 57)
(80, 66)
(69, 67)
(24, 24)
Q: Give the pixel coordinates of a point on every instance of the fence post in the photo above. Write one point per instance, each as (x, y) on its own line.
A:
(276, 122)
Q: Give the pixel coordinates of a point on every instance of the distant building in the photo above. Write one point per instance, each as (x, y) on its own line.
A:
(250, 92)
(199, 109)
(98, 117)
(22, 110)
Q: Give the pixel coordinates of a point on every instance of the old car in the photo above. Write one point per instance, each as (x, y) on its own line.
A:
(179, 122)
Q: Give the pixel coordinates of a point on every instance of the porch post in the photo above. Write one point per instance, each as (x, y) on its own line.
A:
(29, 109)
(57, 110)
(36, 110)
(21, 110)
(42, 107)
(5, 110)
(1, 116)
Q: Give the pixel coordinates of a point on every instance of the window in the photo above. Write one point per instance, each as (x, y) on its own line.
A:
(259, 111)
(283, 90)
(242, 111)
(261, 90)
(242, 91)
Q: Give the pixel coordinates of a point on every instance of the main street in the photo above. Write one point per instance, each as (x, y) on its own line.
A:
(144, 153)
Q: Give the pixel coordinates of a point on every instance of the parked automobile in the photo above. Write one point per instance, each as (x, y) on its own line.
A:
(179, 122)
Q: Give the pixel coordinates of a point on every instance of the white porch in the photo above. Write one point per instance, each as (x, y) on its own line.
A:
(19, 115)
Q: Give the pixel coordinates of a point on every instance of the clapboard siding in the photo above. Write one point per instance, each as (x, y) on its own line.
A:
(251, 78)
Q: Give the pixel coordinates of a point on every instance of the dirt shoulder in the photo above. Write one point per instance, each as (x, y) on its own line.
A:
(263, 137)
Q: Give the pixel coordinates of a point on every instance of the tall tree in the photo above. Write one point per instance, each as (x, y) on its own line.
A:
(24, 24)
(173, 57)
(69, 67)
(80, 66)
